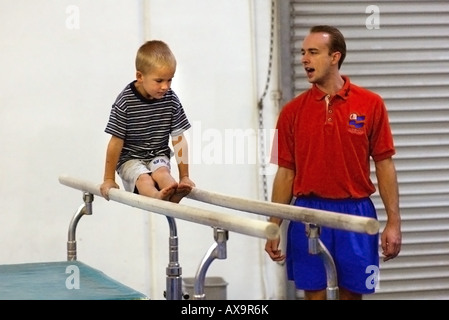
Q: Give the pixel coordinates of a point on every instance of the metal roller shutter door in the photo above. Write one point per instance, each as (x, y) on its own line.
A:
(406, 61)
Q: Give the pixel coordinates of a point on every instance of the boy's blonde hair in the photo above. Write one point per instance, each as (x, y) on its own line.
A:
(154, 54)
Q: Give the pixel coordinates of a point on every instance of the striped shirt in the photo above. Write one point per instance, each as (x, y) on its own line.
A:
(145, 125)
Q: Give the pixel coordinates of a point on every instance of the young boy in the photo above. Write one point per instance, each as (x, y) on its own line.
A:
(142, 119)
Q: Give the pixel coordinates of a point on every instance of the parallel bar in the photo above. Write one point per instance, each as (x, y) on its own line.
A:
(289, 212)
(251, 227)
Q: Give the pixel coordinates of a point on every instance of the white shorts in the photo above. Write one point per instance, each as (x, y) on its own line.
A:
(132, 169)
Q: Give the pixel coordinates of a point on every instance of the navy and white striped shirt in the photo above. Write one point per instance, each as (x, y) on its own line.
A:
(145, 125)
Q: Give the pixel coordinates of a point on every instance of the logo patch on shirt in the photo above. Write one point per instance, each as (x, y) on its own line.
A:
(356, 121)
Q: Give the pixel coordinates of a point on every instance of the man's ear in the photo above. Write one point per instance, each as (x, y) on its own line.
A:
(336, 56)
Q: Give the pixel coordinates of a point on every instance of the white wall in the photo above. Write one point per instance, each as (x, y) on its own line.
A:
(63, 64)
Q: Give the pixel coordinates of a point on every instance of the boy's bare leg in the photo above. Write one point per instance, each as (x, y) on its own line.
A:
(163, 178)
(147, 187)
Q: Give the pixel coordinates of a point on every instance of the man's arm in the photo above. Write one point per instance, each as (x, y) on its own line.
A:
(391, 238)
(282, 189)
(282, 193)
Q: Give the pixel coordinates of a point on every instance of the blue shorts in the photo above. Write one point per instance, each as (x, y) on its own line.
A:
(356, 255)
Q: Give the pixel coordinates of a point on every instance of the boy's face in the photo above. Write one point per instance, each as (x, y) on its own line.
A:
(154, 84)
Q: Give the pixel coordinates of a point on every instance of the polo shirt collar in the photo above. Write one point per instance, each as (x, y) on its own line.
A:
(343, 93)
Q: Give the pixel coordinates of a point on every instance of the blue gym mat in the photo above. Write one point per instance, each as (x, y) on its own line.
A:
(65, 280)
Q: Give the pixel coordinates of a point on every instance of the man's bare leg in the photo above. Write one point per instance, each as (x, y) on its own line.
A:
(315, 295)
(344, 294)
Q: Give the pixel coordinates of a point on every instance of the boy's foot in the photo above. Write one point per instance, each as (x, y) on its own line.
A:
(168, 192)
(181, 191)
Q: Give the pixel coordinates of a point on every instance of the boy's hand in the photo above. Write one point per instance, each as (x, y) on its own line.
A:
(186, 181)
(106, 185)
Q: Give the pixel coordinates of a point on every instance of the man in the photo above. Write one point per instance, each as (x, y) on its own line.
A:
(324, 140)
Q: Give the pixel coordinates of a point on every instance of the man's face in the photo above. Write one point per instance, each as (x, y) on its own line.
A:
(317, 61)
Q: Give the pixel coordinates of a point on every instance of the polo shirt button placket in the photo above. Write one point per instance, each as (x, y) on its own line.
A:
(328, 108)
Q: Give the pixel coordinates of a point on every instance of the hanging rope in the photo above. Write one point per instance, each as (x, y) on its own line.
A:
(262, 137)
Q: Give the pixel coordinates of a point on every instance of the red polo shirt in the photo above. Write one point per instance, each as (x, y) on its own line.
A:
(329, 145)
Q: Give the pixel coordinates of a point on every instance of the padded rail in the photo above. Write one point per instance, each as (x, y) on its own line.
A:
(289, 212)
(243, 225)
